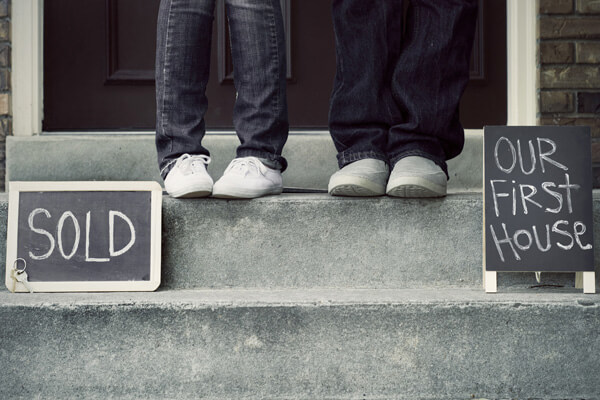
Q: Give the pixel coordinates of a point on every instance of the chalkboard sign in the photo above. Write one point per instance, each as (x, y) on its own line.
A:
(538, 199)
(84, 236)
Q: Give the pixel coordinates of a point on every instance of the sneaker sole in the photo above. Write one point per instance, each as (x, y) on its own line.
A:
(415, 187)
(355, 187)
(353, 191)
(239, 193)
(191, 192)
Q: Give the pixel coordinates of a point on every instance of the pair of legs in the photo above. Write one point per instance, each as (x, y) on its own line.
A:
(397, 88)
(260, 115)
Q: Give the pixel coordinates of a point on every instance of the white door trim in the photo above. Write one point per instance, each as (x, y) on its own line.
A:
(521, 61)
(27, 64)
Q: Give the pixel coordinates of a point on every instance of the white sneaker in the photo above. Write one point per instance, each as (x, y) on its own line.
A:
(365, 177)
(248, 178)
(189, 178)
(417, 177)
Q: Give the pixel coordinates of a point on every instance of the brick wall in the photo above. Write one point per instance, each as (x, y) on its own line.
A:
(5, 100)
(569, 67)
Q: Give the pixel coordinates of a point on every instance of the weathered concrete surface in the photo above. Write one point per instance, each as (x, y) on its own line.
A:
(311, 159)
(296, 241)
(407, 344)
(317, 241)
(321, 241)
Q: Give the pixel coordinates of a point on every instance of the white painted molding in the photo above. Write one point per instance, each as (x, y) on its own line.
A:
(522, 62)
(27, 66)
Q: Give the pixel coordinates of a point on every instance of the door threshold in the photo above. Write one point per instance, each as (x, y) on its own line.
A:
(216, 132)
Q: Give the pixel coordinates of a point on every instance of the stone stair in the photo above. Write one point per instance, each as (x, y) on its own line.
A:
(300, 344)
(300, 296)
(311, 159)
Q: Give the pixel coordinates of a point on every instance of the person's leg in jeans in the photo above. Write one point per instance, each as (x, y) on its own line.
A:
(413, 90)
(260, 115)
(184, 32)
(429, 77)
(182, 71)
(367, 37)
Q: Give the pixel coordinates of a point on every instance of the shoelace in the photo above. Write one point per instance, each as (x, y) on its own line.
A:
(245, 165)
(193, 163)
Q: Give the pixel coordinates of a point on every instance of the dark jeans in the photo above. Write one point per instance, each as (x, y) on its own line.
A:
(397, 91)
(182, 69)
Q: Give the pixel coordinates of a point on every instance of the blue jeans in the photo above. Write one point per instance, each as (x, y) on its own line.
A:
(260, 115)
(397, 91)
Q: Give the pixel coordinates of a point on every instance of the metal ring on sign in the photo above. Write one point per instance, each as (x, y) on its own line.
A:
(20, 271)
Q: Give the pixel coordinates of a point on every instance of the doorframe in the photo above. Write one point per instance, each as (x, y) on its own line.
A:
(27, 51)
(27, 65)
(521, 59)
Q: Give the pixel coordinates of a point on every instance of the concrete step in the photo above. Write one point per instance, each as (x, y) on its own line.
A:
(311, 159)
(306, 344)
(318, 241)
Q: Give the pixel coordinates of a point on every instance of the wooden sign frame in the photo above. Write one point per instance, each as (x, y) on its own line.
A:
(15, 190)
(584, 279)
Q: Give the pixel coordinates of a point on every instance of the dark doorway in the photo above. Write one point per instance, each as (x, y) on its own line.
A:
(99, 66)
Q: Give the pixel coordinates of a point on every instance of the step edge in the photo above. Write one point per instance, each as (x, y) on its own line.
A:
(246, 298)
(300, 197)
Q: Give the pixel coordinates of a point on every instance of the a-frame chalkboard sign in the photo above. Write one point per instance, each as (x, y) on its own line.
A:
(83, 236)
(537, 202)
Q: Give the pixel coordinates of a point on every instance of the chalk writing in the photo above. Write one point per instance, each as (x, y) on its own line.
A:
(76, 240)
(537, 198)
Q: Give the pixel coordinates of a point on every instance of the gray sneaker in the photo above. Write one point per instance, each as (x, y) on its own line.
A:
(365, 177)
(417, 177)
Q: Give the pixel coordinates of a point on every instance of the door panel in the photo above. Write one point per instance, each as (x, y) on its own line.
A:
(129, 53)
(81, 57)
(99, 66)
(485, 99)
